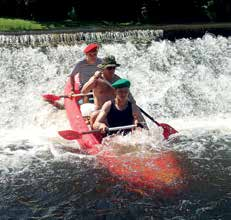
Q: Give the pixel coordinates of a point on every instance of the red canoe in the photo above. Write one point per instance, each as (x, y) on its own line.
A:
(157, 172)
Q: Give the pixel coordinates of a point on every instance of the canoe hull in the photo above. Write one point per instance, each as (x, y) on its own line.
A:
(159, 172)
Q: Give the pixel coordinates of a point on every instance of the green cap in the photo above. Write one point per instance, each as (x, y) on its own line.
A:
(108, 62)
(121, 83)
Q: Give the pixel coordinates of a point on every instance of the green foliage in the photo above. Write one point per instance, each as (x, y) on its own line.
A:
(72, 13)
(19, 24)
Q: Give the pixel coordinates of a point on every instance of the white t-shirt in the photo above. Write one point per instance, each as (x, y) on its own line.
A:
(85, 70)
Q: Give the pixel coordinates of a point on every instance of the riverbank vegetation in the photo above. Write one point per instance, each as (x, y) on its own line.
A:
(52, 14)
(19, 24)
(13, 24)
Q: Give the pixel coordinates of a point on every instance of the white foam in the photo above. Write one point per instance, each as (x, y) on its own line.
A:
(184, 84)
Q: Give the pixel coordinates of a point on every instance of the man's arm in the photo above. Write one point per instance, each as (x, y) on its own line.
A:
(72, 76)
(138, 117)
(91, 83)
(100, 122)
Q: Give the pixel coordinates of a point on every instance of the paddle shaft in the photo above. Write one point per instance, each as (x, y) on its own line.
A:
(76, 95)
(111, 129)
(149, 116)
(167, 129)
(53, 98)
(73, 135)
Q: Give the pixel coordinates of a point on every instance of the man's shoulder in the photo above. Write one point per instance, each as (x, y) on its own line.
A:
(115, 77)
(98, 61)
(107, 104)
(81, 62)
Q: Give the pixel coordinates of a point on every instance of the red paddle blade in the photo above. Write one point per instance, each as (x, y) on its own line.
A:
(50, 97)
(70, 135)
(168, 130)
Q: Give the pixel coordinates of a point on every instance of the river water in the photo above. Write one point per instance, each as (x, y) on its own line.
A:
(185, 83)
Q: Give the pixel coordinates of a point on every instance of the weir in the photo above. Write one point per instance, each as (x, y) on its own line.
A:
(112, 34)
(54, 39)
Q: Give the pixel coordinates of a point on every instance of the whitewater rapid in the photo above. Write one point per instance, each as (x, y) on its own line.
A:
(185, 83)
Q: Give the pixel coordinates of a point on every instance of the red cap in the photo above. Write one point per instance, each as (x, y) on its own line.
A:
(91, 47)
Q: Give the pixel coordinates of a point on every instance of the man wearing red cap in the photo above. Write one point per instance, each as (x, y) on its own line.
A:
(86, 67)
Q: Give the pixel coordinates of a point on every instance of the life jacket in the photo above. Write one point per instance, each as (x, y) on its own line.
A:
(119, 118)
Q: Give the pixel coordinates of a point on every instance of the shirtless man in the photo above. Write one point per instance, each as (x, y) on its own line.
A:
(100, 84)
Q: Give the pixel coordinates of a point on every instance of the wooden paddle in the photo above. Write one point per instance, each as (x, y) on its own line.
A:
(73, 135)
(53, 98)
(167, 129)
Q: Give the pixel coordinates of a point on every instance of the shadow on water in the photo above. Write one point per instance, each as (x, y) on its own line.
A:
(207, 161)
(81, 189)
(60, 189)
(74, 189)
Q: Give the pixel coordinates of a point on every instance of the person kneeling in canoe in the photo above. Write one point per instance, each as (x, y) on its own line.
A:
(119, 111)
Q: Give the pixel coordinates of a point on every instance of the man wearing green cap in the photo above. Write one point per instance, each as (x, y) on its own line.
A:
(119, 111)
(100, 84)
